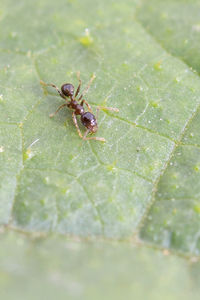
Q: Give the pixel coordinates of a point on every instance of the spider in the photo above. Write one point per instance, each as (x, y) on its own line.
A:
(87, 118)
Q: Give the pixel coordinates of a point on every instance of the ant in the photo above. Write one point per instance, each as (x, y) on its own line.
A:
(87, 117)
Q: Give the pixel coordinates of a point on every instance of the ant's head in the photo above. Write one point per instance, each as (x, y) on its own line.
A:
(67, 89)
(94, 128)
(89, 121)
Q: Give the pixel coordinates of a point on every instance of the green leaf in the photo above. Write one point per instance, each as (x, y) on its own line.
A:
(57, 268)
(140, 187)
(174, 220)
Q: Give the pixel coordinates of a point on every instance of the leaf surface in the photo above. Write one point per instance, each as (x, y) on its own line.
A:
(142, 185)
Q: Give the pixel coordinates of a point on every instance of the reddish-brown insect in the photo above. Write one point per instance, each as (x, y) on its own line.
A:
(87, 117)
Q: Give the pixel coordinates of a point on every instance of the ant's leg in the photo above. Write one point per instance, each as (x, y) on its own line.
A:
(105, 108)
(60, 107)
(76, 124)
(97, 114)
(55, 87)
(88, 105)
(85, 138)
(79, 86)
(108, 108)
(87, 87)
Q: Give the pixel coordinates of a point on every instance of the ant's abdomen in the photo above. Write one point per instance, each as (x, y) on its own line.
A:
(67, 89)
